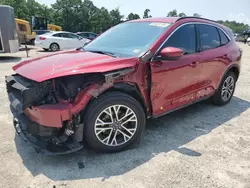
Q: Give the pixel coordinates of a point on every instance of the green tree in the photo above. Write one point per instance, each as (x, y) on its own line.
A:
(146, 13)
(182, 14)
(116, 16)
(172, 13)
(196, 15)
(132, 16)
(20, 7)
(101, 21)
(69, 10)
(235, 26)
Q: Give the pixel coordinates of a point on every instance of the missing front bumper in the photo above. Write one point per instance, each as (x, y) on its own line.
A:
(42, 145)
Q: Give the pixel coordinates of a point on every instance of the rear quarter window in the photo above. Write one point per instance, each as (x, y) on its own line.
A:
(223, 38)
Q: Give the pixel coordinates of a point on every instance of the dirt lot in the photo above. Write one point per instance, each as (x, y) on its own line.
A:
(199, 146)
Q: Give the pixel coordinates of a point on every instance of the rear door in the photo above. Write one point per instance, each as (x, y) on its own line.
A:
(216, 57)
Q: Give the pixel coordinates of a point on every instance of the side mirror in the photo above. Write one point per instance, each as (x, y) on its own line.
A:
(171, 53)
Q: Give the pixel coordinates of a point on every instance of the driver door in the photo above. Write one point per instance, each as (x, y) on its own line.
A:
(174, 82)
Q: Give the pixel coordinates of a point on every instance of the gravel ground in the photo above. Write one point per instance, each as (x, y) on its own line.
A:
(199, 146)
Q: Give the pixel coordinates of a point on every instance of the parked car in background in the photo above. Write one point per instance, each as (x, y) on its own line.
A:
(248, 41)
(104, 92)
(87, 35)
(61, 40)
(41, 32)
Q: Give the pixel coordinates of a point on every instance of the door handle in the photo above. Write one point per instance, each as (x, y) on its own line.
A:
(194, 64)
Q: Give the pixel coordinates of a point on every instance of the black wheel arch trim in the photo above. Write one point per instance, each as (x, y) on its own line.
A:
(130, 89)
(229, 69)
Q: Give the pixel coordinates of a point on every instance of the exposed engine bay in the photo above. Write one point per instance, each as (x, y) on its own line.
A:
(26, 94)
(52, 91)
(59, 93)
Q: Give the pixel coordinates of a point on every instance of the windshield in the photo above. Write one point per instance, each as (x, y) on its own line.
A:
(130, 39)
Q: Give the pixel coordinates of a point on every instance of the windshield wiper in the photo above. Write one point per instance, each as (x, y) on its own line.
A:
(103, 52)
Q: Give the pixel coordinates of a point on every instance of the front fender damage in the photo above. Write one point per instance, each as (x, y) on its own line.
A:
(65, 110)
(55, 116)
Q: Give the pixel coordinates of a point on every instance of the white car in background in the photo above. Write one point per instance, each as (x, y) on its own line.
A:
(248, 41)
(60, 40)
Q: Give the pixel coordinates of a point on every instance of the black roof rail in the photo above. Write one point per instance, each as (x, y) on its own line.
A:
(182, 18)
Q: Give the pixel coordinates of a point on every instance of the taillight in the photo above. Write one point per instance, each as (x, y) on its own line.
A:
(42, 38)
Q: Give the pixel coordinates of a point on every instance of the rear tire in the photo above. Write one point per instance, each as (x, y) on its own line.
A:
(54, 47)
(114, 122)
(226, 90)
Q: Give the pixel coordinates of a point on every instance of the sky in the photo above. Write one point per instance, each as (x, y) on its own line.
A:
(211, 9)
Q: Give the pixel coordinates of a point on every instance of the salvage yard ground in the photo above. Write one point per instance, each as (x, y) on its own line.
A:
(199, 146)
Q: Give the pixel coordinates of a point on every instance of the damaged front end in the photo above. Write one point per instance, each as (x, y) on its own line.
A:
(49, 114)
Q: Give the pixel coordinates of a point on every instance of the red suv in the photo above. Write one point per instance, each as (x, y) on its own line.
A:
(103, 93)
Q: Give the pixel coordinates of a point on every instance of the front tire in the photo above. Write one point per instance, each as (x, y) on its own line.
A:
(114, 122)
(226, 90)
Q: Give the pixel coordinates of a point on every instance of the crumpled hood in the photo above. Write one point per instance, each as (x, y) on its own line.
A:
(70, 63)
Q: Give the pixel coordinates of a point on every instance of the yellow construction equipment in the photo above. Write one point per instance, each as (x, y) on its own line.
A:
(26, 30)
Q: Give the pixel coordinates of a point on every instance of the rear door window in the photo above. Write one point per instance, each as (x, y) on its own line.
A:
(209, 37)
(57, 35)
(65, 35)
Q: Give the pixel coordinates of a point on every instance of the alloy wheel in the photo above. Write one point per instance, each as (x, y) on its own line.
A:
(116, 125)
(227, 88)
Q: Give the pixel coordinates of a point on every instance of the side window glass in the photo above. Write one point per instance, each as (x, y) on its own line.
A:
(85, 35)
(65, 35)
(92, 35)
(209, 37)
(73, 36)
(57, 35)
(223, 38)
(183, 38)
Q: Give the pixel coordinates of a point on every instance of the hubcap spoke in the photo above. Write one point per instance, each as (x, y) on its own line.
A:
(116, 110)
(227, 88)
(131, 131)
(126, 137)
(116, 125)
(114, 142)
(100, 122)
(100, 130)
(106, 140)
(131, 118)
(108, 111)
